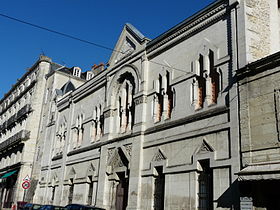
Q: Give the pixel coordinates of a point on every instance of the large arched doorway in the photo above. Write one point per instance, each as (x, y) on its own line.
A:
(119, 178)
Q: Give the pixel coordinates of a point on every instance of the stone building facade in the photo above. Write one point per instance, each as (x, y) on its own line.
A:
(259, 122)
(156, 129)
(159, 126)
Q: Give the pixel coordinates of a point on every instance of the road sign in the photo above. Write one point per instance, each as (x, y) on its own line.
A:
(25, 185)
(27, 178)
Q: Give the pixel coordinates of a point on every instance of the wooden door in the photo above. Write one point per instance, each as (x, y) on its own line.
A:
(122, 194)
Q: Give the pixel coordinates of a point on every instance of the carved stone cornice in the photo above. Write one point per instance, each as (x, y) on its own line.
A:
(189, 26)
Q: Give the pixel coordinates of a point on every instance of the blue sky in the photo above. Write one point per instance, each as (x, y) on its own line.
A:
(93, 20)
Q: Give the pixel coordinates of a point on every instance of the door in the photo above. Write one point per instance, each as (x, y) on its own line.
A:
(122, 193)
(159, 190)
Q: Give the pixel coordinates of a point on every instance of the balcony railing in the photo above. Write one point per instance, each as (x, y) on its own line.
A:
(22, 135)
(11, 121)
(23, 111)
(21, 114)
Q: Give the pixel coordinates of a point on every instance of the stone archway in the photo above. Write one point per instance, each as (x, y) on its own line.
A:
(118, 172)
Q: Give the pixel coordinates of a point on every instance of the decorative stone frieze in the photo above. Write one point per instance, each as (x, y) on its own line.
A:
(189, 26)
(109, 113)
(128, 149)
(140, 100)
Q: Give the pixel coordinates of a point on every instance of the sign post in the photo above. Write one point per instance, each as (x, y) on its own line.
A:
(25, 185)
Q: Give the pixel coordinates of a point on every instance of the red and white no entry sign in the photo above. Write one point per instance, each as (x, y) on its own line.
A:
(25, 185)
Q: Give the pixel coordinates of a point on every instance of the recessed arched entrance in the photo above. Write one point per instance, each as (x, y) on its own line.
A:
(119, 178)
(122, 191)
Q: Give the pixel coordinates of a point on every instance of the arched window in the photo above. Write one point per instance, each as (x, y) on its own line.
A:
(206, 85)
(170, 96)
(201, 83)
(163, 99)
(215, 79)
(125, 106)
(98, 124)
(159, 100)
(78, 132)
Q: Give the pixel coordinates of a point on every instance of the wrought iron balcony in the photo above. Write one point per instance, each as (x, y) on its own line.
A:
(21, 114)
(3, 126)
(11, 121)
(19, 137)
(23, 111)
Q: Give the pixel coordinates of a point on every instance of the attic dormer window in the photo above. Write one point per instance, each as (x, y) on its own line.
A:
(89, 75)
(77, 72)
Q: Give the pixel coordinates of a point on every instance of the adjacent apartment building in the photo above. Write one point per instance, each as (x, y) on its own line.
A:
(22, 119)
(259, 93)
(158, 126)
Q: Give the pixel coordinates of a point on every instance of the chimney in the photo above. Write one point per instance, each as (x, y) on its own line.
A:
(97, 68)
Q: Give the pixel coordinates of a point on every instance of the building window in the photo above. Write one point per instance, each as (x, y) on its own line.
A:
(89, 75)
(201, 83)
(53, 193)
(78, 132)
(98, 124)
(159, 190)
(77, 72)
(205, 186)
(71, 191)
(158, 100)
(90, 192)
(61, 138)
(163, 99)
(207, 83)
(215, 79)
(125, 106)
(170, 97)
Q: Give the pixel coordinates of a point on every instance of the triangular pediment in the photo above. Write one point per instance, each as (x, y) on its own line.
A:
(129, 41)
(72, 172)
(205, 147)
(159, 156)
(90, 170)
(118, 159)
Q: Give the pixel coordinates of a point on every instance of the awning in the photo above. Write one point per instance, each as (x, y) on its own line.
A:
(8, 174)
(268, 171)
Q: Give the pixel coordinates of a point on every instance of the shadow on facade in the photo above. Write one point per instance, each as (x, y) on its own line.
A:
(230, 198)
